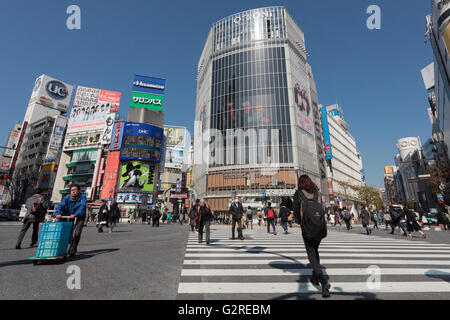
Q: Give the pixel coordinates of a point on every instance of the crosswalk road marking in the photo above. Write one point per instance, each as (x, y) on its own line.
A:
(264, 266)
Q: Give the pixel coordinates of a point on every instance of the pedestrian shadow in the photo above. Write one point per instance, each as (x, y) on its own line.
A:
(303, 280)
(79, 256)
(445, 276)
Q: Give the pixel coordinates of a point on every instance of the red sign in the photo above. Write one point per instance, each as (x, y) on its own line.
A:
(110, 176)
(117, 136)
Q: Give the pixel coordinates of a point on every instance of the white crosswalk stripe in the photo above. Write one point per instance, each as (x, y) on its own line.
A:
(271, 266)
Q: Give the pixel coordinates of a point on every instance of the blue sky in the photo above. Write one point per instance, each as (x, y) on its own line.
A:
(373, 74)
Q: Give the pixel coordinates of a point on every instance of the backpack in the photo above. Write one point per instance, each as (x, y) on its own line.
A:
(270, 213)
(313, 223)
(346, 215)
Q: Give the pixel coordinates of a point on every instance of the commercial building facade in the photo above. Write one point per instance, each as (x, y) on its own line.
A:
(344, 162)
(254, 130)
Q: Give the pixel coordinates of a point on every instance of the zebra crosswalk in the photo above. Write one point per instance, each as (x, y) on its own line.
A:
(267, 266)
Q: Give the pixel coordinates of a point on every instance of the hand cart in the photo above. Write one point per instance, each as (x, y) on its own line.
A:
(55, 241)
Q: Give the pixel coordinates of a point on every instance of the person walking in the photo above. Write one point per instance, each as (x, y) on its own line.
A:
(347, 218)
(374, 218)
(365, 220)
(284, 214)
(260, 217)
(35, 215)
(103, 216)
(397, 218)
(114, 216)
(73, 205)
(337, 217)
(387, 219)
(309, 213)
(203, 217)
(236, 212)
(270, 215)
(249, 218)
(332, 218)
(156, 215)
(192, 216)
(411, 224)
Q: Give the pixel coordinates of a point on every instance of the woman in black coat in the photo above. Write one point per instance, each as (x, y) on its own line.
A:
(411, 224)
(114, 216)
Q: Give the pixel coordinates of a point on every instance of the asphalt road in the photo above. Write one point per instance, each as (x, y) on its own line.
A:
(139, 262)
(134, 262)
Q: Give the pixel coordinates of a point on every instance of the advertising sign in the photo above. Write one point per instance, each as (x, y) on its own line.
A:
(188, 180)
(110, 176)
(59, 128)
(303, 108)
(146, 100)
(5, 164)
(388, 170)
(89, 118)
(149, 85)
(46, 173)
(52, 93)
(326, 133)
(428, 76)
(141, 142)
(137, 174)
(129, 198)
(87, 97)
(116, 143)
(12, 141)
(176, 137)
(82, 140)
(174, 158)
(107, 132)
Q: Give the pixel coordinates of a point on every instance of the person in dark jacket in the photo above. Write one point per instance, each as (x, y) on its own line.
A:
(270, 215)
(156, 215)
(237, 211)
(114, 216)
(411, 224)
(192, 215)
(202, 219)
(74, 205)
(365, 219)
(310, 191)
(397, 216)
(35, 214)
(285, 212)
(103, 216)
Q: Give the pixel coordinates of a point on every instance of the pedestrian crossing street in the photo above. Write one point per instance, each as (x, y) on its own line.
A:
(271, 266)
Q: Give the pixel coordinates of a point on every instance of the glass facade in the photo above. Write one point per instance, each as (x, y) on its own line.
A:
(250, 92)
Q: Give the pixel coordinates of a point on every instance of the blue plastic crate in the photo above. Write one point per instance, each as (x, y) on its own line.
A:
(54, 239)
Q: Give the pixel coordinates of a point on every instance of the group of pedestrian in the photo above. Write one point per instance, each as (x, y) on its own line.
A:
(108, 216)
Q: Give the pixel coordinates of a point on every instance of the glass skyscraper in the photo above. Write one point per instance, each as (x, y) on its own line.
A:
(254, 130)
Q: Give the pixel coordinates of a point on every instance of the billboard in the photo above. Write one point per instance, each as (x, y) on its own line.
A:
(129, 198)
(303, 108)
(116, 142)
(89, 118)
(51, 93)
(174, 158)
(12, 141)
(58, 132)
(149, 85)
(326, 133)
(108, 130)
(388, 170)
(46, 173)
(87, 97)
(146, 100)
(141, 141)
(82, 140)
(428, 76)
(137, 175)
(110, 176)
(176, 136)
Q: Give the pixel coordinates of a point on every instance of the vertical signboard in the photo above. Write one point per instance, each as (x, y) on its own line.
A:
(148, 92)
(326, 133)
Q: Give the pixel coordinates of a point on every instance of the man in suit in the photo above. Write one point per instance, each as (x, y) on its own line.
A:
(237, 211)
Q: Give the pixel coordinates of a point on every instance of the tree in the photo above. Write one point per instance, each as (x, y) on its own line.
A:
(368, 195)
(18, 185)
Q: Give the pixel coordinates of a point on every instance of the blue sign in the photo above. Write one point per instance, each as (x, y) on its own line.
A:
(149, 85)
(326, 134)
(141, 141)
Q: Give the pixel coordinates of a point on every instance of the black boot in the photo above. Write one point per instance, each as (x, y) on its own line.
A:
(314, 279)
(325, 288)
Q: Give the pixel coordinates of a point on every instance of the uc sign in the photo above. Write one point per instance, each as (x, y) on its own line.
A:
(57, 90)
